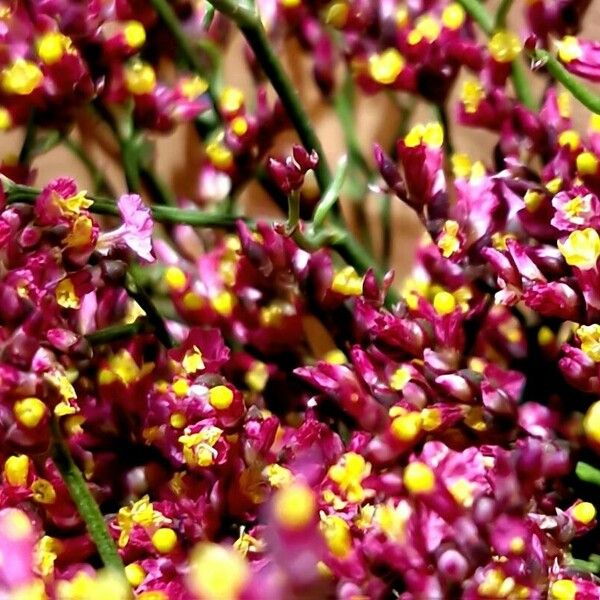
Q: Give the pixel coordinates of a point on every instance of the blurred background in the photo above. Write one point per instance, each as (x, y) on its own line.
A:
(378, 118)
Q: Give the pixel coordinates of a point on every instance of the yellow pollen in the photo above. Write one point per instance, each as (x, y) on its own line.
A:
(545, 336)
(220, 397)
(563, 589)
(563, 100)
(399, 379)
(231, 100)
(584, 512)
(444, 303)
(471, 95)
(347, 282)
(135, 34)
(569, 49)
(294, 506)
(51, 47)
(406, 428)
(135, 574)
(16, 470)
(257, 376)
(504, 46)
(449, 242)
(180, 387)
(5, 119)
(419, 478)
(517, 545)
(569, 138)
(591, 421)
(532, 200)
(432, 418)
(219, 155)
(337, 14)
(81, 233)
(581, 249)
(277, 476)
(430, 134)
(29, 412)
(462, 491)
(348, 473)
(43, 491)
(554, 185)
(175, 278)
(587, 163)
(192, 301)
(594, 123)
(164, 540)
(140, 78)
(337, 535)
(384, 68)
(425, 27)
(401, 17)
(177, 420)
(192, 87)
(453, 16)
(335, 357)
(239, 126)
(461, 165)
(21, 78)
(193, 361)
(223, 303)
(216, 572)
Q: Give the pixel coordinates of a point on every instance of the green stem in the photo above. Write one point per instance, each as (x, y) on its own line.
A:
(251, 27)
(577, 89)
(137, 292)
(520, 82)
(587, 473)
(28, 145)
(99, 181)
(157, 188)
(169, 18)
(501, 14)
(117, 332)
(293, 211)
(331, 195)
(82, 498)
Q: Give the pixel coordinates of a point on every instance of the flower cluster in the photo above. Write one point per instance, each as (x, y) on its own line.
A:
(198, 405)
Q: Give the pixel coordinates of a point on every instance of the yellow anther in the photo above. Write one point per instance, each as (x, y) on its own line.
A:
(175, 278)
(444, 303)
(563, 100)
(177, 420)
(164, 540)
(348, 473)
(419, 478)
(545, 336)
(224, 303)
(532, 200)
(428, 27)
(135, 574)
(134, 34)
(569, 138)
(432, 418)
(220, 397)
(193, 361)
(5, 119)
(453, 16)
(43, 491)
(401, 17)
(192, 301)
(431, 134)
(278, 476)
(29, 412)
(563, 589)
(591, 421)
(569, 49)
(239, 126)
(337, 14)
(347, 282)
(399, 378)
(21, 78)
(448, 242)
(192, 87)
(217, 572)
(219, 155)
(462, 491)
(231, 100)
(52, 46)
(294, 506)
(337, 535)
(406, 427)
(587, 163)
(335, 357)
(180, 387)
(517, 545)
(140, 78)
(504, 46)
(384, 68)
(554, 185)
(461, 166)
(581, 249)
(16, 469)
(257, 376)
(584, 512)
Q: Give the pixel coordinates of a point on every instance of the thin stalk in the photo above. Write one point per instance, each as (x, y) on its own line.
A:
(82, 498)
(99, 181)
(293, 211)
(587, 473)
(137, 292)
(29, 140)
(481, 16)
(577, 89)
(501, 14)
(252, 29)
(116, 333)
(157, 188)
(442, 116)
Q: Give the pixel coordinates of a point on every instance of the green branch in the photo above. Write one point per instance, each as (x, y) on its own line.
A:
(82, 498)
(116, 333)
(501, 14)
(252, 29)
(580, 91)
